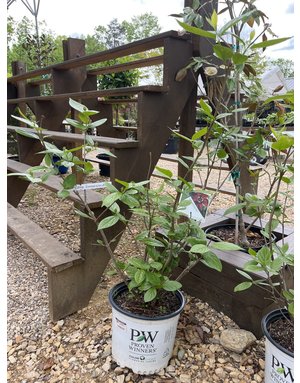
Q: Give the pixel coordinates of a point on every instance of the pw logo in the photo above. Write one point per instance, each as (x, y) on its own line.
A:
(282, 369)
(139, 336)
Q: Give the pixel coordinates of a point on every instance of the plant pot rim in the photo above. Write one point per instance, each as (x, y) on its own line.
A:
(121, 287)
(269, 318)
(224, 224)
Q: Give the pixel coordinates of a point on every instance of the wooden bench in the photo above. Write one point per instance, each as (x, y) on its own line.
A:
(60, 261)
(72, 278)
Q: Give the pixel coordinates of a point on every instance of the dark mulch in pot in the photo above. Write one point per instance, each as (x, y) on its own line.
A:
(227, 233)
(282, 331)
(165, 303)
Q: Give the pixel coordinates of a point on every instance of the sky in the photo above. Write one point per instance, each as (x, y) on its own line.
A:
(74, 18)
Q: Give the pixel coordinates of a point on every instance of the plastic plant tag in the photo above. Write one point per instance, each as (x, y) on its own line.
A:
(90, 186)
(199, 202)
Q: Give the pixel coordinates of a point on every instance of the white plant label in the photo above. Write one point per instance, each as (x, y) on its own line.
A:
(90, 186)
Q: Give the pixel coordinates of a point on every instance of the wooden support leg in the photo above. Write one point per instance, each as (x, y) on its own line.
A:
(71, 289)
(16, 186)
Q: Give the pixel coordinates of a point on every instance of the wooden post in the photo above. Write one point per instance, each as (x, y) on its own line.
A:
(19, 67)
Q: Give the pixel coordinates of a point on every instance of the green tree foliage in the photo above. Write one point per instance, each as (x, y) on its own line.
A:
(21, 38)
(92, 44)
(141, 26)
(111, 36)
(22, 44)
(286, 66)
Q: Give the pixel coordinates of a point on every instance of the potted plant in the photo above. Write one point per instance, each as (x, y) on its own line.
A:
(147, 302)
(275, 259)
(231, 79)
(229, 70)
(276, 262)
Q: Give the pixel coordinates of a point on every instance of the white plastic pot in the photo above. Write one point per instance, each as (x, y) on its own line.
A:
(279, 362)
(143, 344)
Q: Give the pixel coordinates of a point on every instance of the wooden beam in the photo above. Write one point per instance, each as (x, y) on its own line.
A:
(125, 50)
(150, 61)
(93, 93)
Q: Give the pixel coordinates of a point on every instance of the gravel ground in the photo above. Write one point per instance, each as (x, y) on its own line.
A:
(78, 348)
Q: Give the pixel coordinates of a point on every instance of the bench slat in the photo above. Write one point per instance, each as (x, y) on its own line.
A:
(52, 252)
(92, 94)
(105, 142)
(54, 184)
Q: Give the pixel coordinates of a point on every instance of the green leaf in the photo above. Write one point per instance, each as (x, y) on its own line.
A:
(139, 276)
(171, 285)
(183, 163)
(223, 115)
(88, 167)
(264, 256)
(89, 140)
(245, 275)
(288, 294)
(25, 133)
(81, 213)
(291, 309)
(252, 266)
(63, 194)
(150, 294)
(283, 143)
(138, 263)
(199, 134)
(166, 172)
(223, 52)
(156, 265)
(70, 181)
(48, 160)
(212, 261)
(242, 286)
(75, 123)
(214, 19)
(111, 198)
(239, 58)
(252, 35)
(153, 278)
(225, 246)
(268, 43)
(221, 153)
(205, 107)
(153, 242)
(108, 222)
(97, 123)
(197, 31)
(77, 106)
(234, 208)
(234, 21)
(271, 225)
(199, 249)
(33, 124)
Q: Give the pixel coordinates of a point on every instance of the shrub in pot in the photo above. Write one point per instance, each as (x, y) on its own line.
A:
(231, 77)
(275, 259)
(147, 303)
(230, 69)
